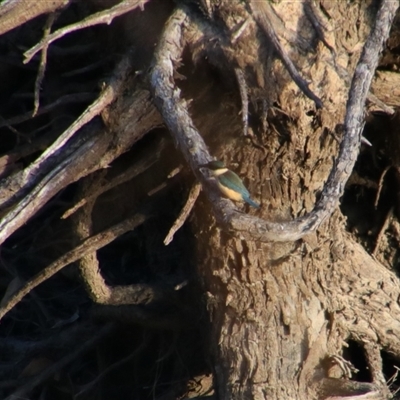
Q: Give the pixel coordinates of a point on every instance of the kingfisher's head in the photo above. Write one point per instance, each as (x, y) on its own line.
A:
(216, 167)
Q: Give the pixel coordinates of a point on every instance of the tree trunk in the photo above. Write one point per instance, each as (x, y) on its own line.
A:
(282, 312)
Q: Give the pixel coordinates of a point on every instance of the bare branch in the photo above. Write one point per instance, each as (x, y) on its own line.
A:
(108, 94)
(87, 246)
(102, 17)
(175, 113)
(43, 60)
(80, 157)
(136, 169)
(193, 195)
(245, 99)
(67, 99)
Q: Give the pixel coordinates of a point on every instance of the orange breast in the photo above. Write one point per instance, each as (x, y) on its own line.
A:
(229, 193)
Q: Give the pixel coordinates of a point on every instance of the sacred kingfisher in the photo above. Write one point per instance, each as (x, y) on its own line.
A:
(230, 185)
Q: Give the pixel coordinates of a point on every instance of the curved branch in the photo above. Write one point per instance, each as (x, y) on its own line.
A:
(176, 116)
(87, 246)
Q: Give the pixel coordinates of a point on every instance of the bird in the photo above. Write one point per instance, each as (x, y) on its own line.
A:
(229, 184)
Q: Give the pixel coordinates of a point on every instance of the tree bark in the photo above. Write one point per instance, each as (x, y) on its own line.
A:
(281, 312)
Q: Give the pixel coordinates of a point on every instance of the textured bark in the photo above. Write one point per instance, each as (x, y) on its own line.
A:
(16, 13)
(282, 305)
(280, 312)
(386, 87)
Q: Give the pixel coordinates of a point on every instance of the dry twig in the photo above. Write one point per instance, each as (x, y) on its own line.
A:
(108, 94)
(136, 169)
(67, 99)
(43, 60)
(102, 17)
(87, 246)
(187, 208)
(245, 99)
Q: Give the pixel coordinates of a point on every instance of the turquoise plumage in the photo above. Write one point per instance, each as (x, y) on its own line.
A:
(229, 183)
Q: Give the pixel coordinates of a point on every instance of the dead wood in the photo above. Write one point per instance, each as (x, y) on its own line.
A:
(28, 177)
(87, 246)
(16, 13)
(271, 301)
(184, 214)
(79, 158)
(102, 17)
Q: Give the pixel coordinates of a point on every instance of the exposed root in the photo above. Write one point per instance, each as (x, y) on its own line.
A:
(89, 245)
(316, 19)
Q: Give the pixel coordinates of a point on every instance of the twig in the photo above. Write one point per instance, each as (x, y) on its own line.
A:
(235, 35)
(134, 170)
(384, 107)
(88, 68)
(105, 98)
(176, 116)
(79, 158)
(71, 356)
(89, 245)
(67, 99)
(102, 17)
(30, 175)
(187, 208)
(245, 99)
(261, 11)
(43, 59)
(382, 231)
(65, 172)
(380, 186)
